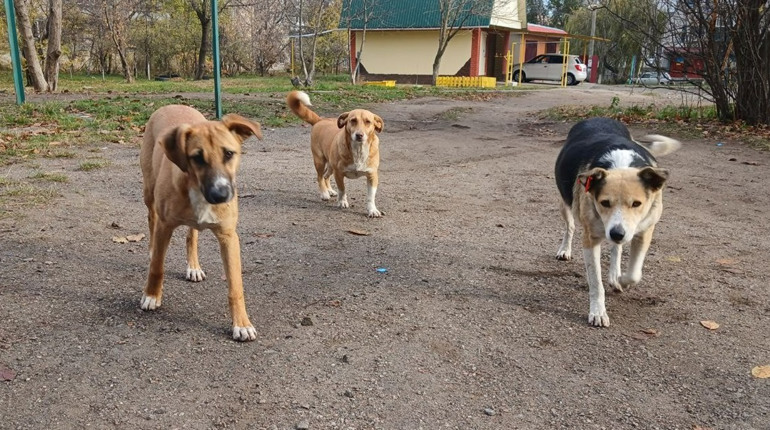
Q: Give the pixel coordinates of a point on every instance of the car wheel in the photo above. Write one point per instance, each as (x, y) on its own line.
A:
(516, 76)
(571, 79)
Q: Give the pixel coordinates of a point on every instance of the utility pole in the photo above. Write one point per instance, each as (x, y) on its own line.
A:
(593, 7)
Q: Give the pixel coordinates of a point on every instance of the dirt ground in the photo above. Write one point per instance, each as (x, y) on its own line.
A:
(474, 325)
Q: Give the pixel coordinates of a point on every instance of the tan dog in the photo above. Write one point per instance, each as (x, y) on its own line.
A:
(614, 187)
(189, 166)
(346, 146)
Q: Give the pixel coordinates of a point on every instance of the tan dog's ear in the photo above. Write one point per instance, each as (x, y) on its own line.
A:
(379, 124)
(653, 177)
(242, 127)
(174, 144)
(342, 119)
(592, 180)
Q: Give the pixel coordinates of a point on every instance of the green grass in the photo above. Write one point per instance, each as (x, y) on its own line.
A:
(49, 177)
(88, 166)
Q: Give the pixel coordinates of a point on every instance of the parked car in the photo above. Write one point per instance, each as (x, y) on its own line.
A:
(549, 67)
(654, 78)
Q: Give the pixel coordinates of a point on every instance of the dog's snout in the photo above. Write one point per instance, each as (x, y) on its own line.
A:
(220, 191)
(617, 234)
(359, 135)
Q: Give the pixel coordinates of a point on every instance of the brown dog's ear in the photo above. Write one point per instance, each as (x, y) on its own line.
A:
(379, 124)
(242, 127)
(174, 144)
(342, 119)
(653, 177)
(592, 180)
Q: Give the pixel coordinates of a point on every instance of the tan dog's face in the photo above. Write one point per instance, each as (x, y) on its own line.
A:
(360, 125)
(210, 153)
(623, 197)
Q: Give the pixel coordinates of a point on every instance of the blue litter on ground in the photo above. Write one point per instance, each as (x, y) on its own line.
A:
(381, 270)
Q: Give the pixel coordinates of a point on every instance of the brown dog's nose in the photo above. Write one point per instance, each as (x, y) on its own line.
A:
(218, 192)
(359, 135)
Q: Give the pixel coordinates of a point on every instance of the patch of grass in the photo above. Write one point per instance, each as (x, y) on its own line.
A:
(88, 166)
(15, 195)
(49, 177)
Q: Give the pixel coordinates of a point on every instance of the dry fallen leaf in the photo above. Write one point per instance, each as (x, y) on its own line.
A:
(6, 374)
(359, 232)
(726, 261)
(761, 372)
(711, 325)
(651, 332)
(135, 237)
(119, 239)
(674, 259)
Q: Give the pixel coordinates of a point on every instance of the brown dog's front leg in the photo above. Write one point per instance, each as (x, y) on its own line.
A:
(194, 271)
(230, 248)
(153, 291)
(342, 197)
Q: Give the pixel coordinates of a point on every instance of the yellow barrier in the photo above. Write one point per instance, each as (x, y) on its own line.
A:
(466, 81)
(382, 83)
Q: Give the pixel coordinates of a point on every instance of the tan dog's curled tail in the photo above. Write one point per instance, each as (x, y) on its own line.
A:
(298, 102)
(659, 145)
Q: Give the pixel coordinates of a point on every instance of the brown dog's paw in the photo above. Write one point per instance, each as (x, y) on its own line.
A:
(244, 334)
(149, 303)
(195, 275)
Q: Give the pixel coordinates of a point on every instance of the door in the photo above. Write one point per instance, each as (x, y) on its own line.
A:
(537, 68)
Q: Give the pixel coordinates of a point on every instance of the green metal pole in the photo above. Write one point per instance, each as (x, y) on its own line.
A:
(13, 41)
(217, 69)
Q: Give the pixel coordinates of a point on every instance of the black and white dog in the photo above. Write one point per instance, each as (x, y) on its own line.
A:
(614, 187)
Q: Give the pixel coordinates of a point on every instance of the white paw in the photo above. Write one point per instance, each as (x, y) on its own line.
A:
(616, 285)
(374, 213)
(325, 195)
(244, 334)
(149, 303)
(332, 192)
(629, 280)
(564, 255)
(343, 204)
(195, 275)
(599, 319)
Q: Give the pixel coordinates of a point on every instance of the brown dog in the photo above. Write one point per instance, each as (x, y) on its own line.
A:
(189, 166)
(346, 146)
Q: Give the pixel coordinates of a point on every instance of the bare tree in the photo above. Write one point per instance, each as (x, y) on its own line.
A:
(730, 39)
(454, 16)
(53, 53)
(268, 20)
(34, 70)
(117, 16)
(363, 12)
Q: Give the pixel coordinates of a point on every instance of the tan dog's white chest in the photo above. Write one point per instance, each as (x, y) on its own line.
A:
(359, 167)
(203, 210)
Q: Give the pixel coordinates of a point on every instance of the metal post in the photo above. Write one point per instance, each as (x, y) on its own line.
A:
(215, 50)
(13, 40)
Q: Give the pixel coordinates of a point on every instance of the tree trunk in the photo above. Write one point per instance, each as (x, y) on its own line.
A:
(54, 44)
(34, 71)
(751, 55)
(203, 52)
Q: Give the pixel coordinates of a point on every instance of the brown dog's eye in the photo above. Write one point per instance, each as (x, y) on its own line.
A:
(353, 121)
(636, 203)
(605, 203)
(198, 159)
(228, 155)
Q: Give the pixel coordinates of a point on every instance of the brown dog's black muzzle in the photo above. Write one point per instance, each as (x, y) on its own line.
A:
(218, 190)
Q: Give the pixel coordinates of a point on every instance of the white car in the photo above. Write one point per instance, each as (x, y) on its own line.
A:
(653, 78)
(549, 67)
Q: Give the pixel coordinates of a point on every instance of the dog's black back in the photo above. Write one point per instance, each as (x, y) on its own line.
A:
(587, 143)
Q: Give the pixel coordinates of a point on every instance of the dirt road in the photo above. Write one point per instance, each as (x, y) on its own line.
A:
(473, 325)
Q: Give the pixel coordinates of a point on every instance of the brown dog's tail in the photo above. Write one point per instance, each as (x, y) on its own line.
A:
(298, 102)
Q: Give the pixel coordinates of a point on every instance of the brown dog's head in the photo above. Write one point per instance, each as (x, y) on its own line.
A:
(360, 125)
(209, 153)
(623, 197)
